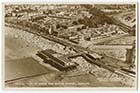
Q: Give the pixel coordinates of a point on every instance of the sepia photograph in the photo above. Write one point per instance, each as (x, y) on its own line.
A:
(70, 45)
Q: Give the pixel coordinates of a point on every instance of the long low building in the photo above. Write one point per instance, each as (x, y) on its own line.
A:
(61, 63)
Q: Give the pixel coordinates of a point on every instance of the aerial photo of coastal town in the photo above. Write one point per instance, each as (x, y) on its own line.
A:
(69, 45)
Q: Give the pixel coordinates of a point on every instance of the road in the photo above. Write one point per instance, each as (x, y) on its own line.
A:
(110, 46)
(103, 41)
